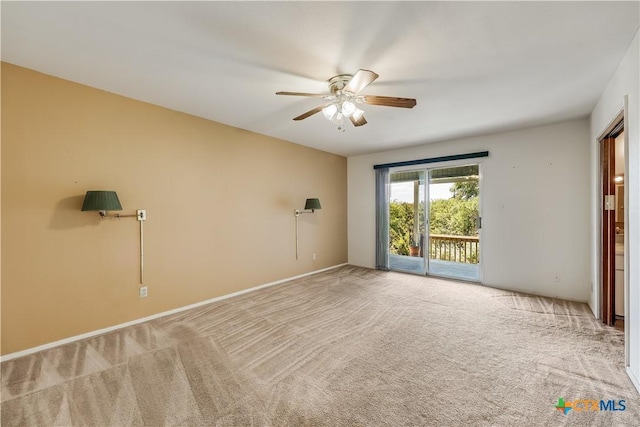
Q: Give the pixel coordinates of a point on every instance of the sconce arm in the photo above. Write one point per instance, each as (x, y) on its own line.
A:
(298, 212)
(141, 215)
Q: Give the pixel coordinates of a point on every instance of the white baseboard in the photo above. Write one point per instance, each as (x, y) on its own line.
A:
(530, 292)
(634, 380)
(154, 316)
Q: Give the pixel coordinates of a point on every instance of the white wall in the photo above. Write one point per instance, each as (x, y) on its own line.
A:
(623, 83)
(535, 206)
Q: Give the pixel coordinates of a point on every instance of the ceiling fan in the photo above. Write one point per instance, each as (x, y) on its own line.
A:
(345, 94)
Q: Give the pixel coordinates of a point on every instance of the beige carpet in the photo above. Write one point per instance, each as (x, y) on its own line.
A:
(347, 347)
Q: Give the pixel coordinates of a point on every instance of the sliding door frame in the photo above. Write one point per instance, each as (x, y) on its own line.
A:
(439, 165)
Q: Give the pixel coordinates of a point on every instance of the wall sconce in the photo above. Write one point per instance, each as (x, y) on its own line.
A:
(104, 201)
(310, 206)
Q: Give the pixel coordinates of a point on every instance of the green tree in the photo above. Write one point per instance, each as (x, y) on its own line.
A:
(458, 215)
(465, 190)
(400, 227)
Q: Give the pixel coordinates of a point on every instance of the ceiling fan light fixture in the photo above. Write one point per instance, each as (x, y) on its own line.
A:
(330, 111)
(348, 108)
(338, 120)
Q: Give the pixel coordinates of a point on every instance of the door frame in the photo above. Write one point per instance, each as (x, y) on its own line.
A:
(445, 164)
(622, 116)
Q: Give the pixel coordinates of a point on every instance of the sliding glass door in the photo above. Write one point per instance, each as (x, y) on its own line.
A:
(407, 225)
(454, 222)
(441, 237)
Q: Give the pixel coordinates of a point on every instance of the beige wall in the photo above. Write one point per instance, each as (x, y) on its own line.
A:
(219, 201)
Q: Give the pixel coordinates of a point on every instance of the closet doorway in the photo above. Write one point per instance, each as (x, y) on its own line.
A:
(612, 225)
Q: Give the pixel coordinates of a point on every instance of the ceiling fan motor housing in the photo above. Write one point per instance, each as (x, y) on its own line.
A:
(337, 83)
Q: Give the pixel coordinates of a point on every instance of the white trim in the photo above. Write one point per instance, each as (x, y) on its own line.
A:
(614, 122)
(634, 380)
(627, 258)
(155, 316)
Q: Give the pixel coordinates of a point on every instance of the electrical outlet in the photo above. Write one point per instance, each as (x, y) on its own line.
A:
(142, 214)
(314, 256)
(143, 292)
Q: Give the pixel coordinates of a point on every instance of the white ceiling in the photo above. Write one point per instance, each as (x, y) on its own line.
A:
(474, 67)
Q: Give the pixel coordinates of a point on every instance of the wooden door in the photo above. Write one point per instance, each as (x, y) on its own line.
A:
(607, 151)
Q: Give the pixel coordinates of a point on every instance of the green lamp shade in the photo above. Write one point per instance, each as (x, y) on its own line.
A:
(101, 201)
(312, 204)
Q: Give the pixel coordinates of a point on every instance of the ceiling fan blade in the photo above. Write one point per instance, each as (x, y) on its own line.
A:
(360, 80)
(313, 95)
(389, 101)
(309, 113)
(359, 121)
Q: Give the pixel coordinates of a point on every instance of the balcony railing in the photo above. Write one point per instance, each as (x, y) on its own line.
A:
(454, 248)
